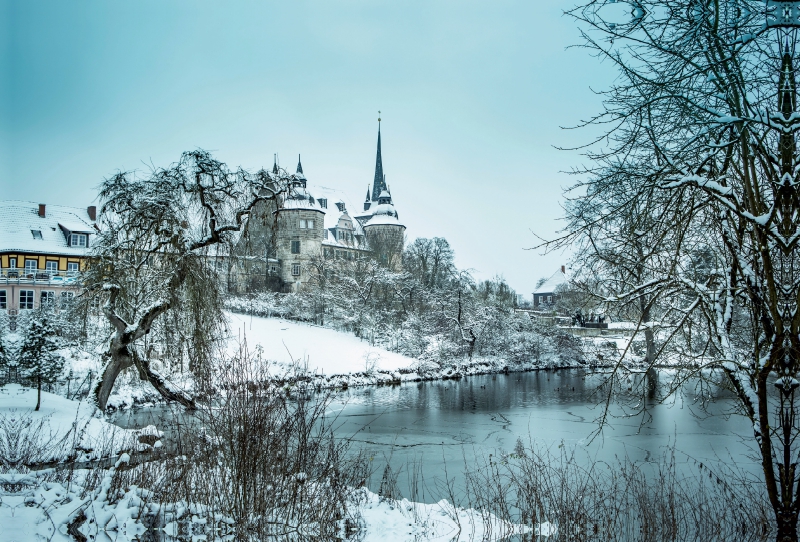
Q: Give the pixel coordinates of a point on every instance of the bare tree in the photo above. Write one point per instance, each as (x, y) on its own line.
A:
(162, 239)
(698, 144)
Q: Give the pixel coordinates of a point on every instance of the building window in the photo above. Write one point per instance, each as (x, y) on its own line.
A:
(3, 300)
(12, 263)
(72, 267)
(323, 202)
(541, 299)
(37, 234)
(48, 298)
(77, 240)
(51, 267)
(26, 299)
(295, 247)
(30, 265)
(306, 224)
(296, 269)
(549, 299)
(67, 298)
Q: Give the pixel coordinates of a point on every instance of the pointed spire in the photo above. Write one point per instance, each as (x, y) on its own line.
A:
(367, 193)
(275, 163)
(377, 185)
(299, 165)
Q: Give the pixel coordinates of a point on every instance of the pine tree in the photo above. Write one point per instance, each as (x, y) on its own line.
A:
(39, 359)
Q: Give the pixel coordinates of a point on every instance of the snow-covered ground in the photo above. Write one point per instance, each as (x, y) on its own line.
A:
(314, 349)
(42, 510)
(61, 429)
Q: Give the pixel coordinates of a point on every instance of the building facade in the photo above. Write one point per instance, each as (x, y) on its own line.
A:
(43, 248)
(286, 239)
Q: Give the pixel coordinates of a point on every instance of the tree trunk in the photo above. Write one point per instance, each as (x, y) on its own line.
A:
(38, 393)
(787, 525)
(121, 359)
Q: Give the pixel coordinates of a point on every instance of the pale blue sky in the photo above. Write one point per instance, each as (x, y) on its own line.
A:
(472, 94)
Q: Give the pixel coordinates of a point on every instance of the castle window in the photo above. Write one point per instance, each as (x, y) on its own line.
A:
(296, 269)
(306, 224)
(323, 202)
(295, 247)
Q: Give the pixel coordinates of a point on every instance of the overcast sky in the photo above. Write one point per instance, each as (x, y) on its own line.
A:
(473, 97)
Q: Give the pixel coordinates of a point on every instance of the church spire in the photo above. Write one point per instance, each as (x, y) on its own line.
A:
(275, 164)
(299, 165)
(377, 185)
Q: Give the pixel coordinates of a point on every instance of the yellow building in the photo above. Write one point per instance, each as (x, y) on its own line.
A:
(43, 248)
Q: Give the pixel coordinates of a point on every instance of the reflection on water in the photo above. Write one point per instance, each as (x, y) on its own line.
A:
(443, 424)
(439, 425)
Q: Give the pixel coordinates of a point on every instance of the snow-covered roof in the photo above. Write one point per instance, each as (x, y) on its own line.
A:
(302, 203)
(383, 220)
(19, 219)
(549, 286)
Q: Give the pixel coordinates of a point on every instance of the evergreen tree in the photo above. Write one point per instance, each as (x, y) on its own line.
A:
(39, 359)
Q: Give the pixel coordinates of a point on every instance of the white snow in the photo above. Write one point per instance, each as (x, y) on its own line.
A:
(61, 427)
(315, 349)
(401, 521)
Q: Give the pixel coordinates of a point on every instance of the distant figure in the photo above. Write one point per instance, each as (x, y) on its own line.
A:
(578, 318)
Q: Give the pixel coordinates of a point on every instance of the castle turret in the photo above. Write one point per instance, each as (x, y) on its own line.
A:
(384, 232)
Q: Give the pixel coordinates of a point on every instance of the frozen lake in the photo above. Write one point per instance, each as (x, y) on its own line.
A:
(440, 425)
(443, 424)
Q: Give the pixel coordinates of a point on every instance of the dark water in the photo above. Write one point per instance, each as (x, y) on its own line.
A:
(445, 425)
(441, 426)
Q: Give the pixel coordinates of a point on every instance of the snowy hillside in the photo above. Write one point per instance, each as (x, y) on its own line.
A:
(316, 350)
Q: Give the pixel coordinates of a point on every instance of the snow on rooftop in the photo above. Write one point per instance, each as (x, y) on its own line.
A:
(384, 220)
(549, 286)
(18, 219)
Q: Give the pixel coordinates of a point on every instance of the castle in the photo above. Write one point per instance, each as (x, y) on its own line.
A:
(286, 239)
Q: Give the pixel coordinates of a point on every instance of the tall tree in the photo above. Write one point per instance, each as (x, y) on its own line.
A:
(700, 127)
(160, 256)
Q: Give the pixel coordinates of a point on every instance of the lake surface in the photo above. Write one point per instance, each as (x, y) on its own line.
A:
(439, 426)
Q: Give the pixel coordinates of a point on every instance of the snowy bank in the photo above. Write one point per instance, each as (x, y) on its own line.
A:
(320, 357)
(39, 506)
(60, 430)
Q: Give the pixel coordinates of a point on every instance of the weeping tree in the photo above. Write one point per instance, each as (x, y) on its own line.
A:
(162, 255)
(691, 201)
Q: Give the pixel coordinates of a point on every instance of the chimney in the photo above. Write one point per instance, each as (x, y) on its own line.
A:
(563, 270)
(92, 210)
(41, 210)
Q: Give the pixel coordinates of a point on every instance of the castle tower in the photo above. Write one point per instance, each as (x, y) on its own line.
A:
(382, 227)
(300, 220)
